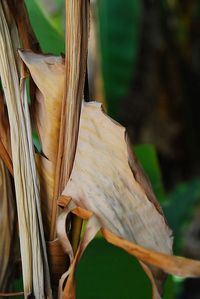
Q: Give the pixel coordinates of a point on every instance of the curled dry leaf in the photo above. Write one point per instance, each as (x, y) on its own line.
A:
(102, 181)
(106, 181)
(7, 215)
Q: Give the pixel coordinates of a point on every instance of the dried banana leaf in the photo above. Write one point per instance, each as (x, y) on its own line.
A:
(47, 72)
(36, 277)
(107, 182)
(7, 217)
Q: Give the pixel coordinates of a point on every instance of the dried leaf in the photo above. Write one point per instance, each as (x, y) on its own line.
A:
(36, 277)
(102, 182)
(107, 181)
(48, 74)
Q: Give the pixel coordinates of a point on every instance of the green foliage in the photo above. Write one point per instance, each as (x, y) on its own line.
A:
(36, 141)
(119, 23)
(107, 272)
(50, 40)
(181, 204)
(56, 17)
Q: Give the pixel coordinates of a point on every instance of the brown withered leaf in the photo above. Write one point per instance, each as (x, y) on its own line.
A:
(109, 184)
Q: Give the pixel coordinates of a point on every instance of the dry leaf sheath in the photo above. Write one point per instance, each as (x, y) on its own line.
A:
(33, 251)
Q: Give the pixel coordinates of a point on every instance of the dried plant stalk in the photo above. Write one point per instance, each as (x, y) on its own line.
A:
(33, 251)
(77, 30)
(7, 216)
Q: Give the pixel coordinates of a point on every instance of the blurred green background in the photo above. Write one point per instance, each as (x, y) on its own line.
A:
(144, 64)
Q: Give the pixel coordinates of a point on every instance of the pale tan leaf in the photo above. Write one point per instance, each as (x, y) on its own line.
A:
(36, 277)
(102, 182)
(48, 74)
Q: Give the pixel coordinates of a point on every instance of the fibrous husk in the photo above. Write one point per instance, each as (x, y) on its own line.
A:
(36, 278)
(7, 217)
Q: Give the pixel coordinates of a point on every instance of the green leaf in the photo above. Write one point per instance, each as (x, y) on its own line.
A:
(56, 17)
(107, 272)
(50, 40)
(181, 203)
(119, 23)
